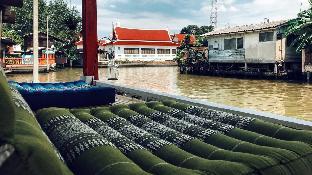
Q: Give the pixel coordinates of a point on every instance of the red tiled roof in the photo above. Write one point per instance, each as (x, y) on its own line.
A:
(144, 43)
(181, 37)
(103, 42)
(141, 35)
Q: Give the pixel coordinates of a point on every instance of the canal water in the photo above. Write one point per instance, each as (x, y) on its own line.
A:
(290, 99)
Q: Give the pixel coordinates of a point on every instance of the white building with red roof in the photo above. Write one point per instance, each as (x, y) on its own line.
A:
(142, 45)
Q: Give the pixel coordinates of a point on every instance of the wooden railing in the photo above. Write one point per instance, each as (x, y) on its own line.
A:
(26, 61)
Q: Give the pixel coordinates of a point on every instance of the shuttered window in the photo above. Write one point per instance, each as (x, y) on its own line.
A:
(148, 51)
(131, 51)
(163, 51)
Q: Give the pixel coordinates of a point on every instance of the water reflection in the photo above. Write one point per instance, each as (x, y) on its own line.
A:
(276, 97)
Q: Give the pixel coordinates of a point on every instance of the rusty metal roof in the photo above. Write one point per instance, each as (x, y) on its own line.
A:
(247, 28)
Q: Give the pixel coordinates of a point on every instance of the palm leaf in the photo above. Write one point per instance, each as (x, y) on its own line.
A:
(302, 28)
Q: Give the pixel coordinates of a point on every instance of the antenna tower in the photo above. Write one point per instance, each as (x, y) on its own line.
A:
(214, 14)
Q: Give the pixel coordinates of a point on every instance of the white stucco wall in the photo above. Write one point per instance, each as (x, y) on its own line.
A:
(119, 53)
(260, 51)
(255, 51)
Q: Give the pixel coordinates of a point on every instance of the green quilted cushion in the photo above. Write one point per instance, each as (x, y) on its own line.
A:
(7, 116)
(85, 151)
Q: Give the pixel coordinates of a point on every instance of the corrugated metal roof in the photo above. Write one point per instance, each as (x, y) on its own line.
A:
(247, 28)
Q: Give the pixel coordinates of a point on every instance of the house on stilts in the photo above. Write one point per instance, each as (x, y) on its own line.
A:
(257, 48)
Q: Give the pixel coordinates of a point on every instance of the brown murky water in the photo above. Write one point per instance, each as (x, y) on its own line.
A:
(290, 99)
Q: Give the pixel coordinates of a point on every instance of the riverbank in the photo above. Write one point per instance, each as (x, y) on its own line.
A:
(140, 64)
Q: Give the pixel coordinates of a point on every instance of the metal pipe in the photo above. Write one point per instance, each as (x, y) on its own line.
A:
(35, 42)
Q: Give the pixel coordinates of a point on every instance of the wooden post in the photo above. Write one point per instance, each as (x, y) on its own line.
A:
(90, 43)
(303, 57)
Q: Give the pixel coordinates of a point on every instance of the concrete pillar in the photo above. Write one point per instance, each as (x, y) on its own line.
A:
(90, 41)
(0, 31)
(35, 42)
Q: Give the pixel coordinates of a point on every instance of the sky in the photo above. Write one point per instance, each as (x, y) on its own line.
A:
(176, 14)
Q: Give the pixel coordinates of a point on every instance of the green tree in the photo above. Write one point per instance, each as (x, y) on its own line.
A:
(202, 41)
(12, 34)
(64, 22)
(301, 28)
(205, 29)
(190, 29)
(24, 18)
(195, 30)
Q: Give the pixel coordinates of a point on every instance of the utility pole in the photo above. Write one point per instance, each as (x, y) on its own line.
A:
(35, 42)
(47, 49)
(214, 14)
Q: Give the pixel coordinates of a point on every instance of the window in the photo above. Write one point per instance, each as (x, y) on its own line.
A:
(279, 36)
(131, 51)
(240, 43)
(163, 51)
(216, 45)
(230, 44)
(148, 51)
(266, 36)
(174, 51)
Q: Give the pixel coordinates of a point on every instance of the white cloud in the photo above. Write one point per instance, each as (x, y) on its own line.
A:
(233, 12)
(255, 11)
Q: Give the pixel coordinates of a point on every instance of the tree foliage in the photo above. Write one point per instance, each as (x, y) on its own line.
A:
(64, 21)
(12, 34)
(195, 30)
(301, 28)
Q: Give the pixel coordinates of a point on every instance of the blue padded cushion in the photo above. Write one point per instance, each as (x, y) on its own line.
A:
(64, 95)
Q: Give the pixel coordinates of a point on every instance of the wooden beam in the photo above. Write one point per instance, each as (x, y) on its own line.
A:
(90, 45)
(15, 3)
(8, 16)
